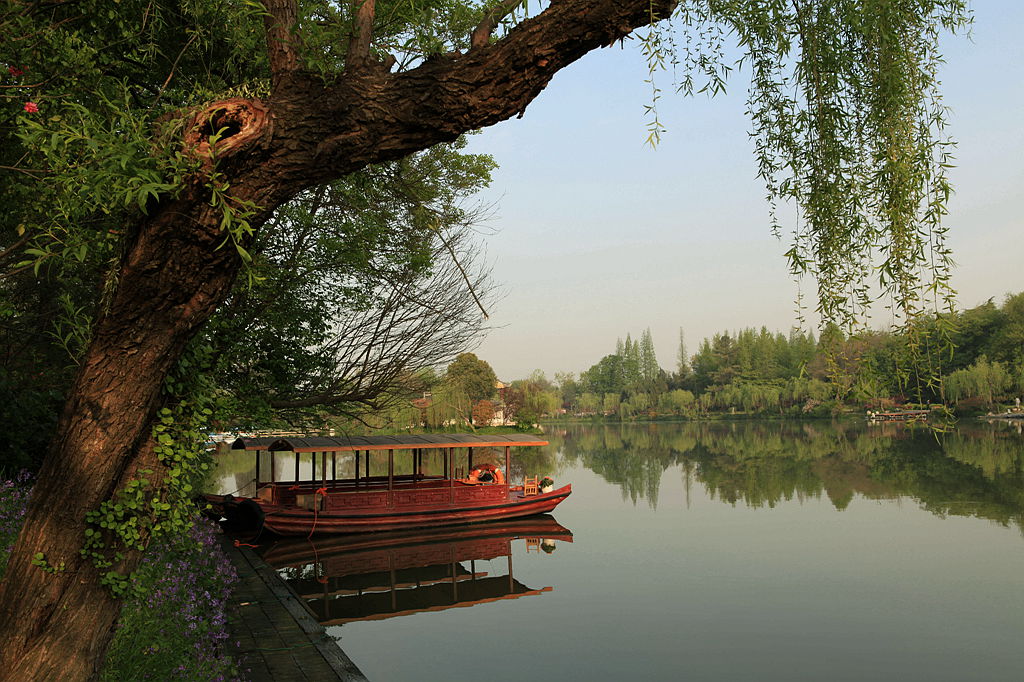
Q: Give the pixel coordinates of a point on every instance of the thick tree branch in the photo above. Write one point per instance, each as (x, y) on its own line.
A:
(369, 117)
(482, 33)
(359, 41)
(280, 22)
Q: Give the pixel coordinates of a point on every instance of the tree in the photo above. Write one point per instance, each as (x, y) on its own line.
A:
(632, 377)
(650, 372)
(483, 412)
(612, 402)
(472, 380)
(567, 388)
(514, 400)
(591, 403)
(354, 296)
(605, 377)
(185, 139)
(682, 359)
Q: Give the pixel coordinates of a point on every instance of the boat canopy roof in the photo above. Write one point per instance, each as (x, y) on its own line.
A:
(402, 442)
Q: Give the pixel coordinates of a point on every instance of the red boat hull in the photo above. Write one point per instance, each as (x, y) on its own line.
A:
(382, 510)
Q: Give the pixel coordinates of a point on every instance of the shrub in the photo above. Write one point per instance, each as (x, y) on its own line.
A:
(177, 628)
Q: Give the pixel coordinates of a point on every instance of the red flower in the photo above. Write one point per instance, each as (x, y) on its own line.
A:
(31, 107)
(15, 71)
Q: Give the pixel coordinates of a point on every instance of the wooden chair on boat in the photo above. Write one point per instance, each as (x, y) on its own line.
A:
(530, 486)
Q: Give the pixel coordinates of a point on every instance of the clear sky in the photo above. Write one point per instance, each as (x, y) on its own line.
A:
(597, 235)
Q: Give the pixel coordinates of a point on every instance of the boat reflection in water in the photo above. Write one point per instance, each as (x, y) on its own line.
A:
(371, 577)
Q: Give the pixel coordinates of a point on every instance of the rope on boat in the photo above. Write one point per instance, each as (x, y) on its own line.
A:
(322, 579)
(316, 509)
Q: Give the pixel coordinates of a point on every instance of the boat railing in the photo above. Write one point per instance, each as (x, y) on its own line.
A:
(411, 492)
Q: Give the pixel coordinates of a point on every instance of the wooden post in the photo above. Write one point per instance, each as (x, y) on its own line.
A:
(258, 453)
(450, 459)
(312, 460)
(357, 468)
(296, 467)
(323, 461)
(334, 466)
(469, 460)
(367, 464)
(391, 468)
(508, 463)
(455, 577)
(511, 583)
(272, 466)
(391, 477)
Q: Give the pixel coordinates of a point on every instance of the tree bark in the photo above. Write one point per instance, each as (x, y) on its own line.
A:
(56, 626)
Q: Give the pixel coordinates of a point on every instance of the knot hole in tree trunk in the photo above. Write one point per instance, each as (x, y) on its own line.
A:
(233, 123)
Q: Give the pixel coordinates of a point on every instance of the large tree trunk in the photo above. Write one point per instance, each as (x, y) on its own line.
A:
(56, 626)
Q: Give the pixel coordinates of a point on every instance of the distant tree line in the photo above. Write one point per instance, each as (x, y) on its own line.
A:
(756, 371)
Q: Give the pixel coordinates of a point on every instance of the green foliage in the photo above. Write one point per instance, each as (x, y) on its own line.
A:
(849, 131)
(102, 75)
(983, 380)
(331, 260)
(757, 372)
(472, 376)
(111, 83)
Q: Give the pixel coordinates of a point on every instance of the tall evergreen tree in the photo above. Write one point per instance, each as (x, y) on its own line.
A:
(682, 359)
(650, 372)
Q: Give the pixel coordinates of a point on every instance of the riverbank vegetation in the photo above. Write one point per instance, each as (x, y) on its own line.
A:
(174, 623)
(772, 374)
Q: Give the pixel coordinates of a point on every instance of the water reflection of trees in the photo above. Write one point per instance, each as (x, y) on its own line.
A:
(973, 471)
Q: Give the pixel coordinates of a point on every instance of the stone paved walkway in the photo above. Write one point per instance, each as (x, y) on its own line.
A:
(279, 641)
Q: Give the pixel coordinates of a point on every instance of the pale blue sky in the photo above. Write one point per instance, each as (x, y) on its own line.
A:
(598, 235)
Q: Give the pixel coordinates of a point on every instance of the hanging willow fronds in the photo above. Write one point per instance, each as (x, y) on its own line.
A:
(848, 129)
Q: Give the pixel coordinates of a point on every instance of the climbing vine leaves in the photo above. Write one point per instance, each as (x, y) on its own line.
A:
(158, 502)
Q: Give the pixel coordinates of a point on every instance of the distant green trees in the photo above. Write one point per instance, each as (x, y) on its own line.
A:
(538, 397)
(629, 379)
(983, 381)
(469, 380)
(762, 372)
(751, 371)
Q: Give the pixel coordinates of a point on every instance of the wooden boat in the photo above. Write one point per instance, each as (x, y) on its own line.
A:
(328, 504)
(350, 578)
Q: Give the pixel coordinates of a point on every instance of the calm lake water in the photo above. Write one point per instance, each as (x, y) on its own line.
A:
(721, 551)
